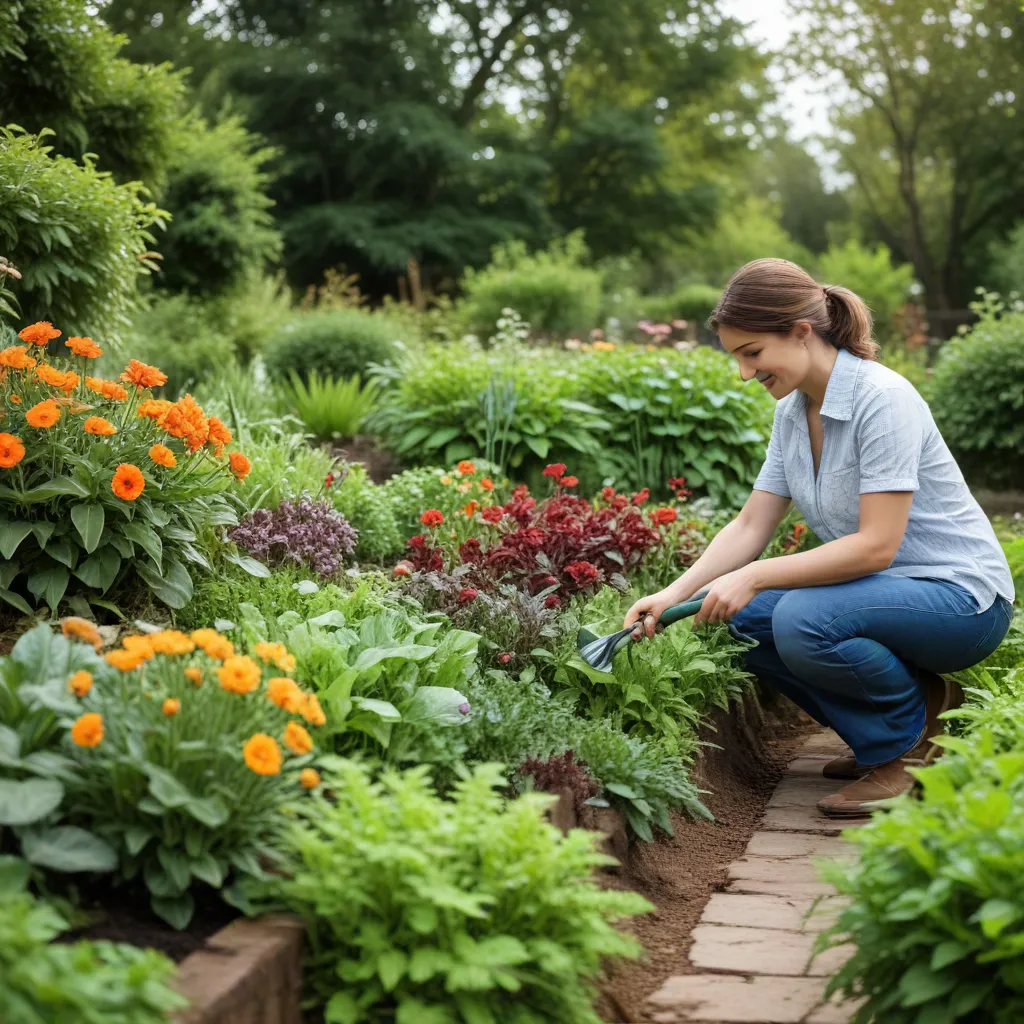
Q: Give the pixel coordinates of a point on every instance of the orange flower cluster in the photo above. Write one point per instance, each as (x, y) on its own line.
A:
(142, 375)
(65, 380)
(12, 451)
(219, 436)
(297, 740)
(39, 333)
(185, 420)
(310, 778)
(240, 465)
(80, 683)
(16, 358)
(84, 347)
(74, 627)
(171, 707)
(107, 388)
(215, 646)
(239, 674)
(276, 653)
(163, 456)
(98, 426)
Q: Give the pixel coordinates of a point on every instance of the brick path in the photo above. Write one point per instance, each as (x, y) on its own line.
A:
(752, 945)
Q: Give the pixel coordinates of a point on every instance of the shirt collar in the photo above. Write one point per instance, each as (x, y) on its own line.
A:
(842, 384)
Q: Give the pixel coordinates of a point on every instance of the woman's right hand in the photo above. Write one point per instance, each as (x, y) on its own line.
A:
(646, 613)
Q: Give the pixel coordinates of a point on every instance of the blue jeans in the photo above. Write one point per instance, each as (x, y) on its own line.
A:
(848, 654)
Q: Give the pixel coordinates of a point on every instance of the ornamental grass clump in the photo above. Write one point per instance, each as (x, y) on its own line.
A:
(185, 752)
(423, 910)
(306, 533)
(101, 484)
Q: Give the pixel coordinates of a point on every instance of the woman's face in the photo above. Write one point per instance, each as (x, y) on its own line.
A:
(779, 361)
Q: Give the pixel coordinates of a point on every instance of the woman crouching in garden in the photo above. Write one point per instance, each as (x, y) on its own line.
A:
(910, 581)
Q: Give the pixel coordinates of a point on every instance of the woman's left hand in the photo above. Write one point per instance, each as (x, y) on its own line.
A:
(728, 595)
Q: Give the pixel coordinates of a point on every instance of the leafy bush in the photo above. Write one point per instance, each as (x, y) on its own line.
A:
(77, 512)
(551, 289)
(433, 911)
(337, 343)
(329, 407)
(871, 274)
(179, 762)
(47, 982)
(372, 511)
(221, 230)
(33, 771)
(976, 397)
(285, 467)
(413, 491)
(79, 239)
(693, 302)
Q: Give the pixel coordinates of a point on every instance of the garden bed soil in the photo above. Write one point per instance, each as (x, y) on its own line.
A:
(679, 873)
(380, 464)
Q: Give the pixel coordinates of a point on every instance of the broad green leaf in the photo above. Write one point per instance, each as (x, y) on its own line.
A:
(920, 984)
(249, 564)
(15, 601)
(88, 520)
(174, 588)
(135, 839)
(62, 485)
(24, 803)
(166, 788)
(147, 539)
(14, 875)
(382, 708)
(208, 869)
(11, 536)
(391, 968)
(49, 585)
(177, 912)
(67, 848)
(438, 704)
(100, 569)
(211, 811)
(410, 652)
(176, 865)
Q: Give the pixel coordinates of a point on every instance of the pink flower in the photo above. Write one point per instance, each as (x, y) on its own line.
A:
(468, 594)
(504, 659)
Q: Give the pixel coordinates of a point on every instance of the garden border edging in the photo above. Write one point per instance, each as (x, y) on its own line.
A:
(248, 972)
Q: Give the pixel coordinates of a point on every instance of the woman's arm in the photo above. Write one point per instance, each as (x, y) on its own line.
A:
(883, 522)
(738, 544)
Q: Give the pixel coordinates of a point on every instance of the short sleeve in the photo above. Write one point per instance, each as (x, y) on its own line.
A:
(889, 437)
(772, 477)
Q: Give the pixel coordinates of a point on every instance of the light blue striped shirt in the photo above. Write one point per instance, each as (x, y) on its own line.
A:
(879, 435)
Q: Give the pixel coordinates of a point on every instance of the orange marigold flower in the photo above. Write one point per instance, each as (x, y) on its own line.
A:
(215, 645)
(276, 653)
(88, 730)
(194, 675)
(123, 660)
(297, 740)
(172, 642)
(80, 683)
(487, 483)
(128, 482)
(311, 710)
(142, 376)
(466, 468)
(240, 465)
(154, 408)
(197, 426)
(81, 629)
(140, 645)
(107, 388)
(431, 518)
(310, 778)
(39, 333)
(85, 347)
(16, 358)
(262, 754)
(664, 516)
(43, 414)
(239, 674)
(66, 381)
(219, 436)
(285, 693)
(12, 451)
(171, 707)
(16, 399)
(470, 510)
(99, 426)
(163, 456)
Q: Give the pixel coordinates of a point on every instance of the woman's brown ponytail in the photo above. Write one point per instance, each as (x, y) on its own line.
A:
(771, 295)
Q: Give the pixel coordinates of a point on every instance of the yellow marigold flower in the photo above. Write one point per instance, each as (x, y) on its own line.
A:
(171, 707)
(297, 740)
(99, 426)
(88, 730)
(80, 683)
(39, 333)
(171, 641)
(194, 675)
(163, 456)
(85, 347)
(126, 661)
(285, 693)
(311, 710)
(141, 645)
(310, 778)
(262, 754)
(239, 674)
(16, 358)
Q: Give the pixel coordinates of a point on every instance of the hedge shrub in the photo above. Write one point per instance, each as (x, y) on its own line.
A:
(693, 302)
(337, 343)
(977, 397)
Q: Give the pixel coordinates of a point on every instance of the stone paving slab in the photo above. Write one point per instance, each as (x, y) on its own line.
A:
(803, 790)
(790, 890)
(834, 1012)
(831, 960)
(732, 999)
(806, 819)
(719, 947)
(787, 913)
(773, 869)
(826, 742)
(810, 764)
(795, 844)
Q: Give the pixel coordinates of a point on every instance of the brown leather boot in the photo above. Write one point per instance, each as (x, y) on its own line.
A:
(881, 783)
(845, 767)
(941, 694)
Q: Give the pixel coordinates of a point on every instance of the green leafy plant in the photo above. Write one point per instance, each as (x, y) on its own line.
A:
(329, 407)
(48, 982)
(372, 510)
(34, 771)
(976, 397)
(471, 910)
(337, 343)
(693, 302)
(179, 763)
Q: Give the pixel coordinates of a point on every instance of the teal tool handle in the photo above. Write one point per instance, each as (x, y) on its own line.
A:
(682, 611)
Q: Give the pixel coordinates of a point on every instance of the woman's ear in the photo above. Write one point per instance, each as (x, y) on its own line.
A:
(802, 331)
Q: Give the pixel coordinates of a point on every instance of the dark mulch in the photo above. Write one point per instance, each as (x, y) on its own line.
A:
(679, 873)
(123, 915)
(380, 464)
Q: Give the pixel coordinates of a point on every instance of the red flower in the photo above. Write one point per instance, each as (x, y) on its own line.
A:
(551, 601)
(431, 518)
(620, 501)
(328, 480)
(556, 470)
(468, 594)
(418, 542)
(664, 516)
(568, 481)
(583, 573)
(607, 493)
(403, 569)
(504, 659)
(493, 514)
(520, 492)
(641, 496)
(676, 483)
